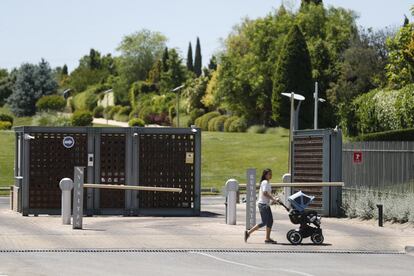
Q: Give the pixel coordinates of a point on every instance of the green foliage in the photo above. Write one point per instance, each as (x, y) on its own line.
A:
(138, 88)
(400, 69)
(136, 122)
(52, 103)
(5, 125)
(93, 69)
(257, 129)
(175, 75)
(98, 111)
(113, 110)
(139, 52)
(238, 125)
(6, 86)
(82, 118)
(217, 123)
(381, 110)
(194, 114)
(123, 114)
(293, 74)
(6, 118)
(198, 59)
(51, 119)
(190, 65)
(391, 135)
(228, 123)
(193, 91)
(32, 82)
(211, 97)
(202, 122)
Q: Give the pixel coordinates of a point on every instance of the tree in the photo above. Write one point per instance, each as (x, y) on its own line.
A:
(165, 60)
(212, 65)
(198, 59)
(139, 52)
(64, 70)
(6, 85)
(190, 65)
(293, 74)
(32, 82)
(175, 76)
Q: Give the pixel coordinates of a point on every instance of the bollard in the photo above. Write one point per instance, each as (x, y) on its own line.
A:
(287, 191)
(380, 215)
(232, 186)
(66, 185)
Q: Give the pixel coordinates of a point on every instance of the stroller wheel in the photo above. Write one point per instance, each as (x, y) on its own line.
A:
(294, 237)
(317, 238)
(289, 233)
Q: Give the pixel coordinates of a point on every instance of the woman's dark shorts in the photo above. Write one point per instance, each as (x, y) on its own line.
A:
(266, 214)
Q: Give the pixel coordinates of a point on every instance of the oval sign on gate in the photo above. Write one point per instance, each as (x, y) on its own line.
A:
(68, 142)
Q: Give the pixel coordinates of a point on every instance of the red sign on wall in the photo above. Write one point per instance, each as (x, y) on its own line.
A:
(358, 157)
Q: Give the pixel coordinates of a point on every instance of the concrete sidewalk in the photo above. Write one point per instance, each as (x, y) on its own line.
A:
(206, 232)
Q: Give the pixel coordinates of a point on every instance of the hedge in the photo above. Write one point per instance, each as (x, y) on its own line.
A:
(5, 125)
(82, 118)
(136, 122)
(6, 118)
(238, 125)
(52, 102)
(217, 123)
(98, 111)
(392, 135)
(202, 122)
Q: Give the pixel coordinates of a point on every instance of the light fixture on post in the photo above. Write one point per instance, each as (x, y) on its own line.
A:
(292, 97)
(106, 93)
(178, 102)
(315, 113)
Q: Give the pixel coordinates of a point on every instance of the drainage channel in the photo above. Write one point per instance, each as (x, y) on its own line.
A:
(248, 251)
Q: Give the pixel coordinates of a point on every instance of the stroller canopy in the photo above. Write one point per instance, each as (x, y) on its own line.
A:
(300, 201)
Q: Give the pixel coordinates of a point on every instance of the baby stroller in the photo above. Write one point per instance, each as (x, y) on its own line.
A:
(306, 218)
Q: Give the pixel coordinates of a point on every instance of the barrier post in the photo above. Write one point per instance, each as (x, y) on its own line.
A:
(78, 198)
(287, 191)
(250, 198)
(232, 186)
(66, 185)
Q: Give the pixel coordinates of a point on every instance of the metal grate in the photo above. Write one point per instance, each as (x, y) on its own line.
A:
(112, 169)
(49, 162)
(308, 166)
(251, 251)
(167, 160)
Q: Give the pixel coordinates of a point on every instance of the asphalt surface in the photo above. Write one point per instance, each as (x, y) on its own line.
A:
(116, 245)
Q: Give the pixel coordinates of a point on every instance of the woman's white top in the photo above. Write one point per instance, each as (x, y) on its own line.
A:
(264, 187)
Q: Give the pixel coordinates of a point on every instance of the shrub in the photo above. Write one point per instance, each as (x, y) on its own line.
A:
(217, 123)
(6, 118)
(202, 122)
(158, 119)
(5, 125)
(52, 103)
(134, 113)
(91, 101)
(51, 119)
(392, 135)
(123, 114)
(82, 118)
(194, 114)
(98, 111)
(228, 122)
(107, 111)
(114, 110)
(257, 129)
(136, 122)
(238, 125)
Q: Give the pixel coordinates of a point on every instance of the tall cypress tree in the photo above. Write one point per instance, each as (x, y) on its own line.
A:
(165, 60)
(197, 59)
(190, 65)
(293, 74)
(65, 70)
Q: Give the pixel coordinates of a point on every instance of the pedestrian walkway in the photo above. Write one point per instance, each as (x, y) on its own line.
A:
(208, 231)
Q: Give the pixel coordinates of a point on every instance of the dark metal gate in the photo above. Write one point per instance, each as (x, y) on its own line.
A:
(317, 157)
(162, 157)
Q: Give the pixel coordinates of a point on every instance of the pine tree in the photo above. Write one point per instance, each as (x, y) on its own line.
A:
(213, 63)
(65, 70)
(197, 59)
(190, 65)
(165, 60)
(293, 74)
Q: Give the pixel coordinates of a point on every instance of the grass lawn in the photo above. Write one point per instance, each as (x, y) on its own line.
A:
(224, 156)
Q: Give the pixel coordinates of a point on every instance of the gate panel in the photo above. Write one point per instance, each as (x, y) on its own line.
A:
(49, 162)
(308, 166)
(167, 160)
(112, 169)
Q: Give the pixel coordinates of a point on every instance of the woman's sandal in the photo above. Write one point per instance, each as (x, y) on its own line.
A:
(246, 235)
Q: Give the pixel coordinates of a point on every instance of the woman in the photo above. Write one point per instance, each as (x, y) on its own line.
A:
(265, 199)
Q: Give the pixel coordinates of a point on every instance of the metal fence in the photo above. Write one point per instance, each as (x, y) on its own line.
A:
(382, 166)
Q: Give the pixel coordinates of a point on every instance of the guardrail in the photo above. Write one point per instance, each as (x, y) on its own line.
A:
(125, 187)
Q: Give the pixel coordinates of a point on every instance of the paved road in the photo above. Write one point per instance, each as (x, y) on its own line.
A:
(204, 263)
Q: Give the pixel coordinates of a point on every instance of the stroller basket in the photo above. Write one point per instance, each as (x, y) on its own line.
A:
(300, 201)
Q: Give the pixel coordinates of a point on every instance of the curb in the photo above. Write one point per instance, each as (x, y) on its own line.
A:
(409, 250)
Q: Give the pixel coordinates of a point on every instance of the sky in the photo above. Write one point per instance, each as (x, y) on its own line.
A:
(62, 31)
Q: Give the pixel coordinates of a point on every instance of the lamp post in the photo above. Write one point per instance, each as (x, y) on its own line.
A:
(178, 102)
(106, 93)
(292, 97)
(315, 113)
